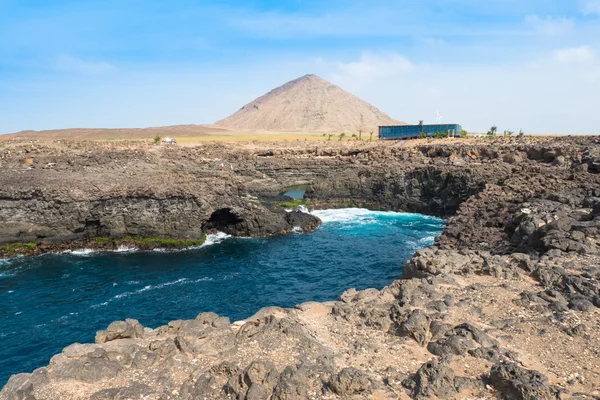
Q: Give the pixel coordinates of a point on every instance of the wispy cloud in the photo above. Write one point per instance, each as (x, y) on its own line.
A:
(374, 66)
(550, 26)
(574, 55)
(590, 7)
(67, 63)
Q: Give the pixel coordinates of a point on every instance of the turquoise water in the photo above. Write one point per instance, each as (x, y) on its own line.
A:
(296, 192)
(51, 301)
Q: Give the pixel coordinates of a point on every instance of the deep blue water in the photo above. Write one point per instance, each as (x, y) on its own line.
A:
(51, 301)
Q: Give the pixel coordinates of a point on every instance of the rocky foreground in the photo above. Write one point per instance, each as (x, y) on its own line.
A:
(505, 305)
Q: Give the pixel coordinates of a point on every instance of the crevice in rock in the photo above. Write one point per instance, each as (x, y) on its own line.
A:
(222, 220)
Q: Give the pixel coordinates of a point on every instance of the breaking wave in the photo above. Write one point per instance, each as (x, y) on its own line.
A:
(363, 216)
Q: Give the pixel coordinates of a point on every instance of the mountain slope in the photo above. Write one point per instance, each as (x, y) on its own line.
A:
(309, 104)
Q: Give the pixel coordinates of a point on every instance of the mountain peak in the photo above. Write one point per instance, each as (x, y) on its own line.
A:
(310, 104)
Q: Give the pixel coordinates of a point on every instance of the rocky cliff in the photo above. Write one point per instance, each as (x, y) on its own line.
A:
(505, 305)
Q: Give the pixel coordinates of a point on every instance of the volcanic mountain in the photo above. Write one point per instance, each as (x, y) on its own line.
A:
(309, 104)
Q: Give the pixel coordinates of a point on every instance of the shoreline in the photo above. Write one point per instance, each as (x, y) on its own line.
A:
(504, 304)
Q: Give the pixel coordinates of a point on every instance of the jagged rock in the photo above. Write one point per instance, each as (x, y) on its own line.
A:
(21, 386)
(130, 328)
(292, 384)
(134, 391)
(416, 326)
(535, 216)
(94, 367)
(459, 340)
(434, 379)
(257, 381)
(516, 383)
(204, 336)
(351, 381)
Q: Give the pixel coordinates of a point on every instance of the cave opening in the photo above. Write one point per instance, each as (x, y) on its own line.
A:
(221, 220)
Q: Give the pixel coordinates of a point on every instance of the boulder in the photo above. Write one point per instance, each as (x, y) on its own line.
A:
(128, 329)
(516, 383)
(434, 379)
(351, 381)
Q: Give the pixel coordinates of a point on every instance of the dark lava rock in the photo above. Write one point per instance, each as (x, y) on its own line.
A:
(351, 381)
(434, 379)
(415, 326)
(459, 340)
(516, 383)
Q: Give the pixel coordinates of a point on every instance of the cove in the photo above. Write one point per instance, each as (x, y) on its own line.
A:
(51, 301)
(296, 192)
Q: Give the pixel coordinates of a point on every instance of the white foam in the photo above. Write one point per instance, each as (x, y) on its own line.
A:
(125, 249)
(297, 229)
(360, 215)
(81, 252)
(203, 280)
(303, 209)
(150, 287)
(427, 239)
(215, 238)
(5, 262)
(100, 305)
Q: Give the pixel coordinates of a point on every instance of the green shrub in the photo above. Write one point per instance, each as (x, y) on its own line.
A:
(157, 140)
(18, 247)
(464, 134)
(104, 240)
(150, 242)
(440, 135)
(289, 204)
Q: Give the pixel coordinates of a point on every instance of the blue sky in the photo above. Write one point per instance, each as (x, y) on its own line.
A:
(519, 64)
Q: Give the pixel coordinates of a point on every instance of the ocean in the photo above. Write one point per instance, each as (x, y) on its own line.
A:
(50, 301)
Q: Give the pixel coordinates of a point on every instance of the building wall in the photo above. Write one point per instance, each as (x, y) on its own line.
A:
(413, 131)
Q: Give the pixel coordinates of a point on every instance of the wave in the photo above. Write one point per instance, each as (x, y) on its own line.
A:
(81, 252)
(150, 287)
(427, 239)
(125, 249)
(364, 216)
(215, 238)
(5, 274)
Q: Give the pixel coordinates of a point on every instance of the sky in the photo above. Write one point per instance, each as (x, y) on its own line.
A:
(531, 65)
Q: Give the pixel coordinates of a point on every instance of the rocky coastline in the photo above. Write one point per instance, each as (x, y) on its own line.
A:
(506, 304)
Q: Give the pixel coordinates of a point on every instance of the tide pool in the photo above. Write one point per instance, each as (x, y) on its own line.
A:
(51, 301)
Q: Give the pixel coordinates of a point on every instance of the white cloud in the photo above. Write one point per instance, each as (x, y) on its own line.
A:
(67, 63)
(574, 55)
(373, 66)
(590, 7)
(550, 26)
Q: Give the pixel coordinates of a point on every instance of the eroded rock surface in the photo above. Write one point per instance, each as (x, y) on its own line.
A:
(505, 305)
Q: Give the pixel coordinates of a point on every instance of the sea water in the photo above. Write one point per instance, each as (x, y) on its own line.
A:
(51, 301)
